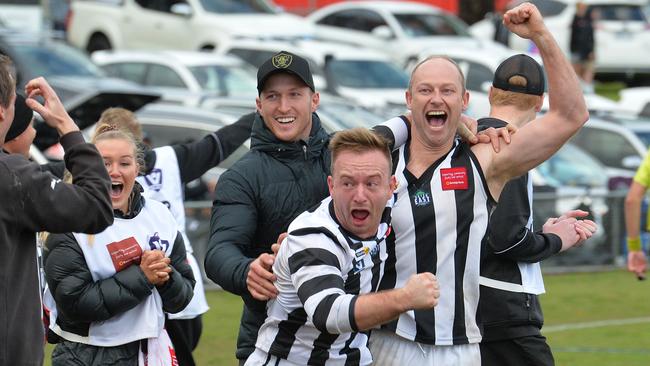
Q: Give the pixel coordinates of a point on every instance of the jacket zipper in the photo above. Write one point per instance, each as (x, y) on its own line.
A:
(304, 151)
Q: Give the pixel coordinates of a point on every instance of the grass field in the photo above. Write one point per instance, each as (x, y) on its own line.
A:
(592, 319)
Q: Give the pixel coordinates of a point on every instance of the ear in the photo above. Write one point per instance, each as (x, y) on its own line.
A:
(539, 104)
(393, 183)
(315, 101)
(465, 100)
(409, 98)
(258, 104)
(330, 184)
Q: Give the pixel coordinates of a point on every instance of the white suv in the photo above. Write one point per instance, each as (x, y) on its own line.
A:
(177, 24)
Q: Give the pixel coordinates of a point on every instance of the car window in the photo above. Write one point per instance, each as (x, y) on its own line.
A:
(426, 25)
(56, 59)
(158, 5)
(163, 76)
(257, 58)
(571, 166)
(609, 147)
(475, 74)
(549, 8)
(356, 19)
(609, 12)
(237, 6)
(133, 71)
(169, 135)
(368, 74)
(225, 80)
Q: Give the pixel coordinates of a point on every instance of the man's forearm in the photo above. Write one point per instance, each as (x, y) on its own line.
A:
(564, 91)
(374, 309)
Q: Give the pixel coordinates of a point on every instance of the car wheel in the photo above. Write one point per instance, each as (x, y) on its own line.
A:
(98, 42)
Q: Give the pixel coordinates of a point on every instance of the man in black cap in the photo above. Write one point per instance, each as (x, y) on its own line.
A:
(282, 175)
(511, 278)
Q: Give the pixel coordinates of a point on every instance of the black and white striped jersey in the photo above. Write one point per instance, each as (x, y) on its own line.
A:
(439, 222)
(321, 269)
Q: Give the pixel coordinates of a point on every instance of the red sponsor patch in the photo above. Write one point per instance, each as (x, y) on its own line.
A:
(124, 253)
(454, 178)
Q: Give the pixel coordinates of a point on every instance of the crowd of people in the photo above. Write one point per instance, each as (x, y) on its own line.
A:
(402, 244)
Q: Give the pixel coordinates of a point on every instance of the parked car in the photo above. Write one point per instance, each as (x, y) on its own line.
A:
(572, 179)
(614, 146)
(399, 28)
(180, 24)
(635, 100)
(184, 77)
(363, 76)
(621, 28)
(23, 15)
(82, 87)
(640, 125)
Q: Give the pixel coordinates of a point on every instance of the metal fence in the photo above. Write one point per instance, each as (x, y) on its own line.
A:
(604, 250)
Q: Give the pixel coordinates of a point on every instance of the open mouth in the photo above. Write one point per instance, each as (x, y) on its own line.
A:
(436, 118)
(360, 215)
(116, 189)
(285, 120)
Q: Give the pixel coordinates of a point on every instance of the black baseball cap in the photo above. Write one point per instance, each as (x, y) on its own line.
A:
(284, 61)
(22, 117)
(524, 66)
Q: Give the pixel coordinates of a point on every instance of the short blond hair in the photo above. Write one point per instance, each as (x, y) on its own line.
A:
(500, 97)
(122, 119)
(359, 140)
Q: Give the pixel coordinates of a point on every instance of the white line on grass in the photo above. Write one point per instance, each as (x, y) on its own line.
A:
(596, 324)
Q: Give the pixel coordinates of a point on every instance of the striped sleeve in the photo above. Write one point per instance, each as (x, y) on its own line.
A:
(315, 263)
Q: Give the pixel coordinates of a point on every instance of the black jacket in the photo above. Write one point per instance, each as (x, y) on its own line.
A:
(31, 201)
(506, 314)
(80, 300)
(582, 35)
(256, 199)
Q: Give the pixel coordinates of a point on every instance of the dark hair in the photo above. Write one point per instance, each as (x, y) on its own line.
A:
(359, 140)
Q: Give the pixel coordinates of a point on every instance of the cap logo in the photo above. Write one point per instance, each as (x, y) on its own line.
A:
(282, 60)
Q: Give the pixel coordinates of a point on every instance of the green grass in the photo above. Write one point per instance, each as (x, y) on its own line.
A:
(609, 90)
(570, 299)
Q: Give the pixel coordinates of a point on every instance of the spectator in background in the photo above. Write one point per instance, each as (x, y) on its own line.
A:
(32, 201)
(636, 258)
(582, 45)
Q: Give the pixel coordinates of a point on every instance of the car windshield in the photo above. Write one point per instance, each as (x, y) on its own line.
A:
(56, 59)
(348, 115)
(426, 25)
(367, 74)
(231, 81)
(617, 12)
(238, 6)
(571, 166)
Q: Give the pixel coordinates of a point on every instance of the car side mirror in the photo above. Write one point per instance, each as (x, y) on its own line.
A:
(631, 162)
(382, 32)
(182, 9)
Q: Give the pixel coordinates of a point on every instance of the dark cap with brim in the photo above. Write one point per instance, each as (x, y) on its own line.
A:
(22, 118)
(524, 66)
(284, 61)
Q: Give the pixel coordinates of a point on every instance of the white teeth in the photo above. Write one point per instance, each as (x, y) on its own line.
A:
(285, 119)
(436, 113)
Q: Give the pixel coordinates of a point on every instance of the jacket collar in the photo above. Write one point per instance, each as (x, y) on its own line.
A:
(136, 203)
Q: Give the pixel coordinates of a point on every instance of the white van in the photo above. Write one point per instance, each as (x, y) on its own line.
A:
(23, 15)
